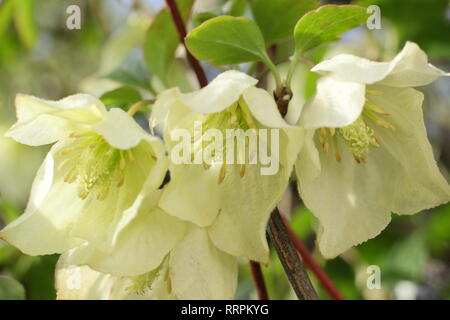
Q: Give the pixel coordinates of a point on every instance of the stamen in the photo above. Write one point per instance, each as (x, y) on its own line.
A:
(131, 156)
(121, 181)
(336, 148)
(242, 170)
(71, 175)
(222, 173)
(378, 121)
(374, 92)
(371, 107)
(123, 162)
(98, 165)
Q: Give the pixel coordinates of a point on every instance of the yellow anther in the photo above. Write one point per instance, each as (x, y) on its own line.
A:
(242, 170)
(374, 92)
(222, 174)
(66, 151)
(103, 194)
(71, 175)
(376, 109)
(336, 149)
(360, 158)
(385, 124)
(206, 166)
(121, 181)
(326, 148)
(123, 162)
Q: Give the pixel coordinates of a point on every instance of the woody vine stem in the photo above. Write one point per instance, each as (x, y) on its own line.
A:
(277, 231)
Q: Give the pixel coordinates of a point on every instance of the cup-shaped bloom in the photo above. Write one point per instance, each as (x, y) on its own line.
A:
(231, 157)
(194, 269)
(366, 153)
(83, 283)
(90, 188)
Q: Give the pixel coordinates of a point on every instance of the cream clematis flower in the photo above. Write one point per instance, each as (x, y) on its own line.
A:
(83, 283)
(194, 269)
(232, 202)
(366, 153)
(97, 188)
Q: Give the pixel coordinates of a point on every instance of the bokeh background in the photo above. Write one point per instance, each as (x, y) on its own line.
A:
(40, 56)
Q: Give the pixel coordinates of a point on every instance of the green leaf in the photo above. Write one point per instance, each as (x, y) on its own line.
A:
(11, 289)
(202, 17)
(162, 40)
(121, 97)
(325, 24)
(227, 40)
(277, 18)
(40, 278)
(6, 11)
(132, 72)
(25, 22)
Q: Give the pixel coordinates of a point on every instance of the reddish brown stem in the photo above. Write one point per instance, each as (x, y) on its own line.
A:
(179, 24)
(308, 259)
(258, 280)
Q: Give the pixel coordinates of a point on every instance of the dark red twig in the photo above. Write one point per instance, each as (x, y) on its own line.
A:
(308, 259)
(178, 20)
(258, 280)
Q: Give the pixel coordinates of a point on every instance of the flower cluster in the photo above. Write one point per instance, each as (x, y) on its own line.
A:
(358, 146)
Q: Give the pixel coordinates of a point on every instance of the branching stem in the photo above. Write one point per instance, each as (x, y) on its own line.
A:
(179, 24)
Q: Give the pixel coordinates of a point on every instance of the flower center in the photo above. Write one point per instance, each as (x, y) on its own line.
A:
(238, 134)
(358, 136)
(94, 165)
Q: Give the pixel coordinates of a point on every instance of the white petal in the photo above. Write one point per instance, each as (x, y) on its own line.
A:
(42, 121)
(336, 104)
(120, 129)
(410, 68)
(200, 271)
(220, 93)
(163, 105)
(101, 220)
(418, 183)
(193, 194)
(347, 198)
(246, 203)
(263, 107)
(51, 211)
(347, 67)
(141, 245)
(83, 283)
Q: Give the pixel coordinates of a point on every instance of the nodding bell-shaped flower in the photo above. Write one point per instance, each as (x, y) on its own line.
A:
(231, 158)
(366, 152)
(194, 269)
(91, 188)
